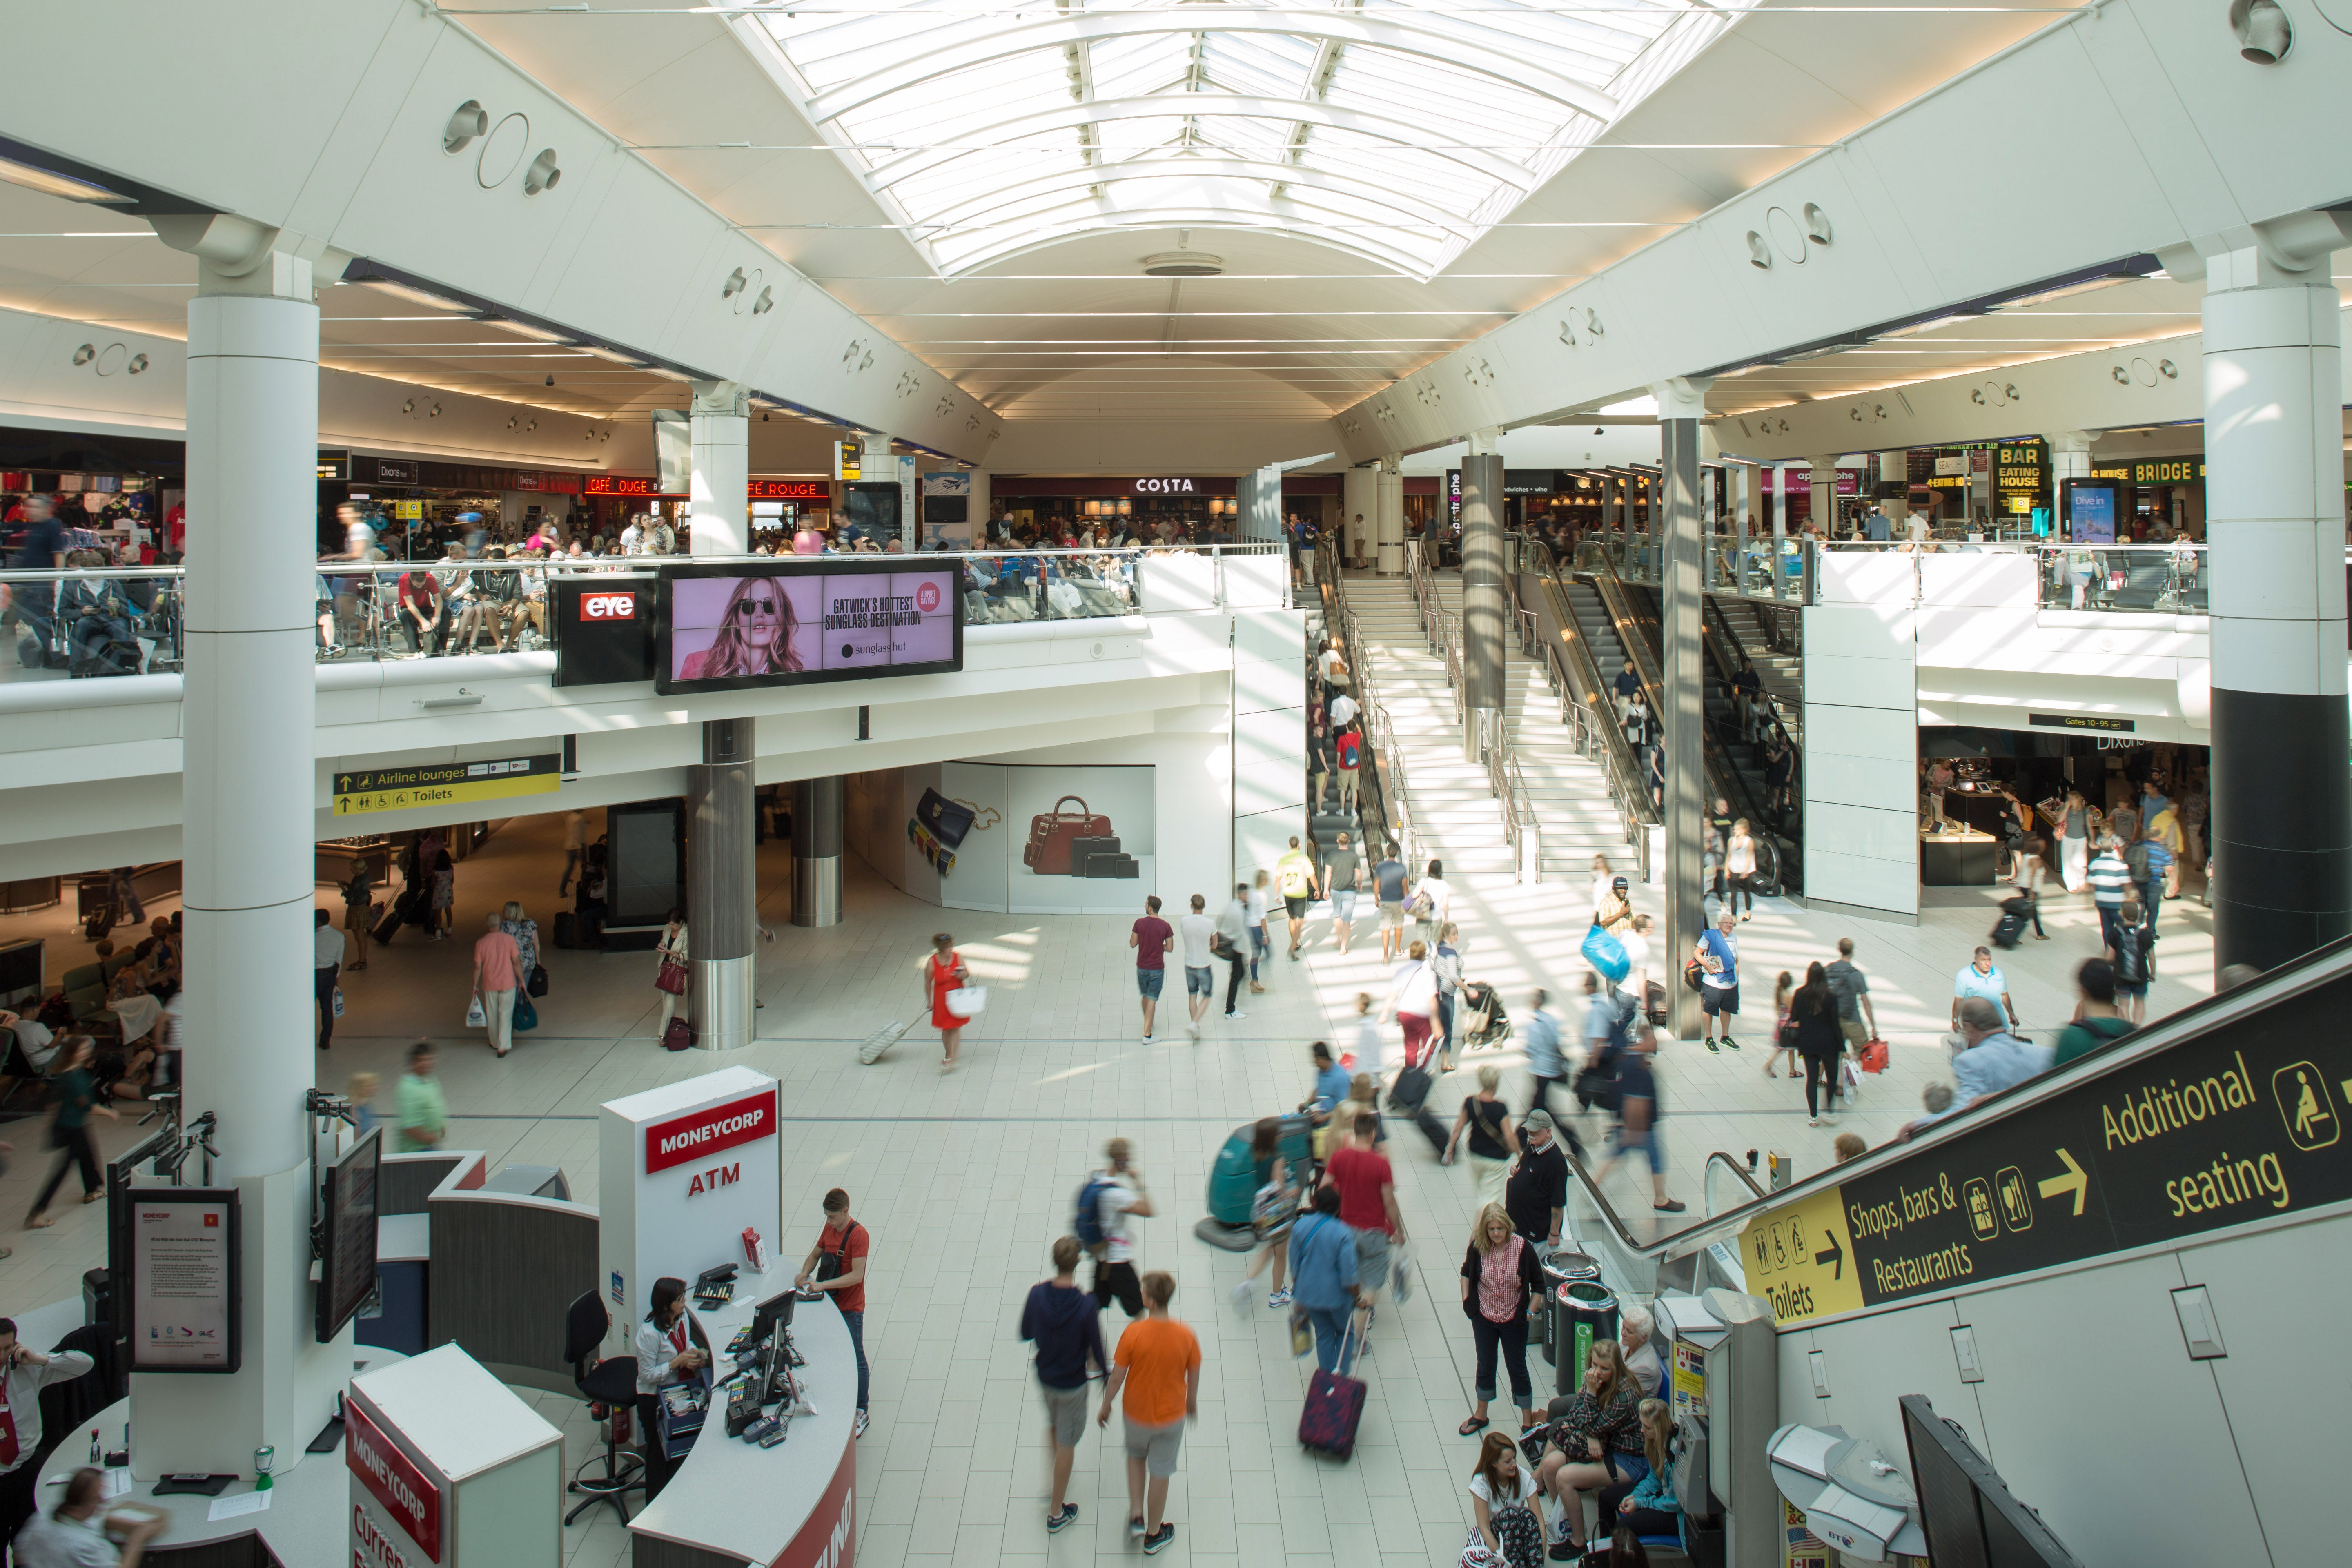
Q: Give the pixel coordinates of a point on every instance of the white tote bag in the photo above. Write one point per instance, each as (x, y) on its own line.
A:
(968, 1001)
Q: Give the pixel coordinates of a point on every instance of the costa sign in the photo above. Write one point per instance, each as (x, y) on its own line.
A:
(1163, 487)
(700, 1134)
(394, 1480)
(608, 607)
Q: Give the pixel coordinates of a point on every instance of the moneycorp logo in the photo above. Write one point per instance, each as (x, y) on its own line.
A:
(608, 607)
(413, 1501)
(688, 1138)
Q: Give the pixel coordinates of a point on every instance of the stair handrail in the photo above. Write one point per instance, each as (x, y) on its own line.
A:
(1574, 676)
(1381, 778)
(1504, 780)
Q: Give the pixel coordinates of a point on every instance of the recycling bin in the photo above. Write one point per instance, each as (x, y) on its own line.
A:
(1583, 1310)
(1559, 1267)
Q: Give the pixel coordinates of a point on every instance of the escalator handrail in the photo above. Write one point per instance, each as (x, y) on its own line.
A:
(1712, 638)
(2316, 968)
(1655, 1249)
(1379, 743)
(1722, 777)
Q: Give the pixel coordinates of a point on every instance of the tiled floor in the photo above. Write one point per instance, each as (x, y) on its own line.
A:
(965, 1179)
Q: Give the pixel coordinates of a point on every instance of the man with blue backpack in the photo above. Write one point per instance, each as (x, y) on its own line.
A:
(1107, 1203)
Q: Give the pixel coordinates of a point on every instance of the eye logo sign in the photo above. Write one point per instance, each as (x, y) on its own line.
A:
(608, 607)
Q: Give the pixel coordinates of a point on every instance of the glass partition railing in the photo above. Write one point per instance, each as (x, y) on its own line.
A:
(95, 621)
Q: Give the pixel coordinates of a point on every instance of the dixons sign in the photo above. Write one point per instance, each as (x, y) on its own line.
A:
(393, 1480)
(686, 1139)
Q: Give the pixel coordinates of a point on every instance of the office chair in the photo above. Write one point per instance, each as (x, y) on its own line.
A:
(612, 1383)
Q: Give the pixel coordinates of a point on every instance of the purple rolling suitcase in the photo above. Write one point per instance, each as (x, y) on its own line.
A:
(1335, 1405)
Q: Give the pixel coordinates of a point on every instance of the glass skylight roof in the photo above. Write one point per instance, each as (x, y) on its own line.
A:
(1397, 129)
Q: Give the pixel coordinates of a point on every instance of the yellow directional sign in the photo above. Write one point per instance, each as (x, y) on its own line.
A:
(1800, 1257)
(445, 784)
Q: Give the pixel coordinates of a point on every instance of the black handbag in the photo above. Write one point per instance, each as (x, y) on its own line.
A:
(537, 985)
(947, 820)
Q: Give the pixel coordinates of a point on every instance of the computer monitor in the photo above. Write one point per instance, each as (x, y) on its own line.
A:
(776, 1313)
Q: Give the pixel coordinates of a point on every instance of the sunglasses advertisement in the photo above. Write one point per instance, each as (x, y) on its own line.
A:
(724, 627)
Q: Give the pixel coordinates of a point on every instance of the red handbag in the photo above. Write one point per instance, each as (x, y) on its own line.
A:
(671, 977)
(1050, 834)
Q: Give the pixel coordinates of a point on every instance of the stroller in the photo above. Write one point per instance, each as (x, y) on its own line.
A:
(1479, 1021)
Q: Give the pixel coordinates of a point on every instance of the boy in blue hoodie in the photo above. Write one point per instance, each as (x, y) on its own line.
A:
(1061, 1319)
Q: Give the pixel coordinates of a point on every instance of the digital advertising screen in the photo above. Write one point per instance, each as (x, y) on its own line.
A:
(2092, 509)
(720, 628)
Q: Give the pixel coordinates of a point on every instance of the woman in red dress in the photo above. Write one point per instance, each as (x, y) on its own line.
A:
(943, 972)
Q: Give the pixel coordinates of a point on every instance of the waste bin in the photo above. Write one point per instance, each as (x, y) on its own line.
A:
(1558, 1268)
(1582, 1311)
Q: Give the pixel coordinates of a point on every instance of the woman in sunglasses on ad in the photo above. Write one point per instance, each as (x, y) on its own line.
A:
(755, 635)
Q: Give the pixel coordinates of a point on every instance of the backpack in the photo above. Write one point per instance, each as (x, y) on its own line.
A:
(1086, 1224)
(1350, 750)
(2135, 860)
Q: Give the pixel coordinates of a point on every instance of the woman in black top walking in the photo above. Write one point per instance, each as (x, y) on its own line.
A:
(1814, 1018)
(77, 1097)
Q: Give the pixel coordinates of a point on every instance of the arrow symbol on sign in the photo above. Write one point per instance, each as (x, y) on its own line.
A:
(1832, 1255)
(2074, 1182)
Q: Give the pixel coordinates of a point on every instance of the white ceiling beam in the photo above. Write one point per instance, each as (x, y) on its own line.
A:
(1397, 37)
(1398, 129)
(1087, 219)
(983, 203)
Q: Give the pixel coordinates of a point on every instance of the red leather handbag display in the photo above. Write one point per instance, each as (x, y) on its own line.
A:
(1050, 834)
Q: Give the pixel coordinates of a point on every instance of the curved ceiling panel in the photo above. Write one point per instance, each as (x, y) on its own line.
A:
(960, 119)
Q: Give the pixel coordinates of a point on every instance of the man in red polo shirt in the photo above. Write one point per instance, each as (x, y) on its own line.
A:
(1368, 1206)
(837, 1265)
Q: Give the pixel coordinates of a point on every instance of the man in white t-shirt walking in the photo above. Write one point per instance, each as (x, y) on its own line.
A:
(1200, 974)
(1120, 1201)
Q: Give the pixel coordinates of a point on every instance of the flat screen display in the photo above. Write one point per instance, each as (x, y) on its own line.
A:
(724, 627)
(347, 1266)
(184, 1307)
(2091, 510)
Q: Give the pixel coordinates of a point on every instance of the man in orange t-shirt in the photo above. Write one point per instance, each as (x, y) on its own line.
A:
(1158, 1364)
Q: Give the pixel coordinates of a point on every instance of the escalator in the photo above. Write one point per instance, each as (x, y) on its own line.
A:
(1735, 771)
(2078, 1270)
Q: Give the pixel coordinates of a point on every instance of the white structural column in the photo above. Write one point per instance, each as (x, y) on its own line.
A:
(1387, 523)
(1486, 601)
(1780, 529)
(1821, 504)
(1678, 518)
(878, 465)
(1360, 511)
(721, 435)
(249, 802)
(721, 882)
(2070, 459)
(2282, 811)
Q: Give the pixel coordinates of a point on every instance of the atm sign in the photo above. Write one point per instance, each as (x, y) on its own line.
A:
(608, 607)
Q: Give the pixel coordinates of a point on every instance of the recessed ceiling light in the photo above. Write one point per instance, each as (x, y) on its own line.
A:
(1183, 264)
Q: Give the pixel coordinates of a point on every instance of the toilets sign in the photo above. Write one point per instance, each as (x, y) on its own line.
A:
(446, 784)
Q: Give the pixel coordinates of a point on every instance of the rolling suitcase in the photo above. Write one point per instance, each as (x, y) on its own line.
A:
(567, 929)
(1409, 1090)
(1334, 1408)
(389, 927)
(2008, 931)
(1430, 1128)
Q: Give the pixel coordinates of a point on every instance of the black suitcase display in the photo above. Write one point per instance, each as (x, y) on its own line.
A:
(1112, 865)
(1083, 849)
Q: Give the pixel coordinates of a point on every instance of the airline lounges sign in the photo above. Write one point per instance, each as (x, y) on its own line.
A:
(2244, 1123)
